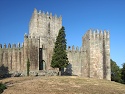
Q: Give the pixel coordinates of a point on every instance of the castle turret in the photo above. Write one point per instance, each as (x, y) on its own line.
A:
(44, 25)
(96, 62)
(106, 53)
(33, 23)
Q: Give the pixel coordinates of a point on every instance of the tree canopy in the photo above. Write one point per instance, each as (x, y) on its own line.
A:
(115, 72)
(123, 72)
(59, 58)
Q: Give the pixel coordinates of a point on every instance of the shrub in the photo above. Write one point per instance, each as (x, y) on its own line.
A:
(2, 87)
(28, 67)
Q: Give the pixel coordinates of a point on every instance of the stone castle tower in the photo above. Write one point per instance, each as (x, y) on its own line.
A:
(90, 60)
(93, 58)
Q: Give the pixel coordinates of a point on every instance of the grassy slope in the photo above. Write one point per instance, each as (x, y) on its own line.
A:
(61, 85)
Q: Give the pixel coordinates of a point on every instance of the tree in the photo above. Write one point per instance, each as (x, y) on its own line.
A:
(115, 72)
(59, 58)
(28, 67)
(123, 72)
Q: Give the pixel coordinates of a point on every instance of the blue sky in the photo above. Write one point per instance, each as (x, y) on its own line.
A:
(78, 17)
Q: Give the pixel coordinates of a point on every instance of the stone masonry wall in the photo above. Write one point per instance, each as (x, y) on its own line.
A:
(31, 50)
(15, 58)
(86, 55)
(74, 57)
(106, 56)
(96, 54)
(12, 57)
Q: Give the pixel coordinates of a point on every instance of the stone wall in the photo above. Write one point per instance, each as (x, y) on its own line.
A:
(31, 50)
(74, 57)
(15, 58)
(106, 56)
(12, 57)
(96, 54)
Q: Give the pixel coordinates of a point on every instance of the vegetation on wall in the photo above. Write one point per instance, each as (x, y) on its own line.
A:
(28, 67)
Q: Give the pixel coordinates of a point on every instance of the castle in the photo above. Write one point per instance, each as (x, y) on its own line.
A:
(90, 60)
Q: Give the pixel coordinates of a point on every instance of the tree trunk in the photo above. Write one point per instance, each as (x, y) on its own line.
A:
(59, 71)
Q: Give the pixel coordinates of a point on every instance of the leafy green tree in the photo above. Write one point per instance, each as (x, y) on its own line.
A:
(115, 72)
(123, 72)
(59, 58)
(28, 67)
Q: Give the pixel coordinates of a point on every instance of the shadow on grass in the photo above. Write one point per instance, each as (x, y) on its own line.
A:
(4, 72)
(67, 71)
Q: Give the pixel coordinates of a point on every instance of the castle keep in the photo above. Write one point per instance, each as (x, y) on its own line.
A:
(90, 60)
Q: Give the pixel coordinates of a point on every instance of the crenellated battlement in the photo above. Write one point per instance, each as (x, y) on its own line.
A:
(92, 35)
(48, 15)
(26, 36)
(96, 34)
(74, 49)
(9, 46)
(40, 12)
(41, 15)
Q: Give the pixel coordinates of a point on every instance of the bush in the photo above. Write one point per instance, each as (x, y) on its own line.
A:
(2, 87)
